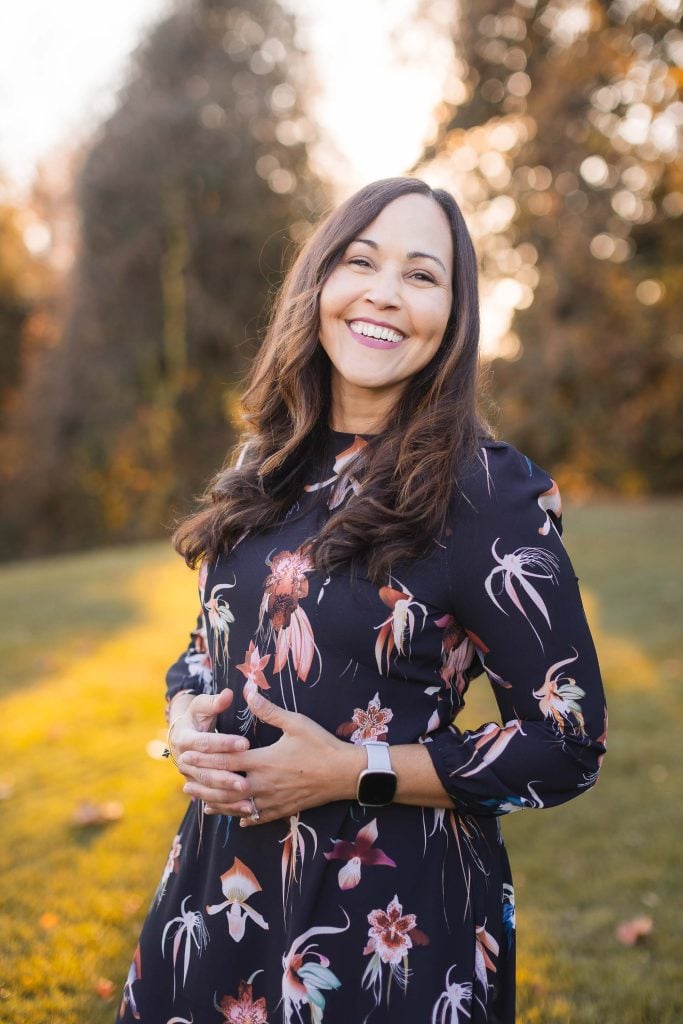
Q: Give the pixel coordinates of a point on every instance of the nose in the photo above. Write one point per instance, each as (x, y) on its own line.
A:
(384, 288)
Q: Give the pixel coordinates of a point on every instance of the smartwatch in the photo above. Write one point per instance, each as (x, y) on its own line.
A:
(377, 782)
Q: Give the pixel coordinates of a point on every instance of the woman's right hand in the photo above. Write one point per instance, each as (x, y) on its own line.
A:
(192, 730)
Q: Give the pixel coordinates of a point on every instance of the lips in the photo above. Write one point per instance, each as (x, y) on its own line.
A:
(373, 342)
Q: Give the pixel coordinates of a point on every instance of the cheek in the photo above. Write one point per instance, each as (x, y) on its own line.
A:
(334, 296)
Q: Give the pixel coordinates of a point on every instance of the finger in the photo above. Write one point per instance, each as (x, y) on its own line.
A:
(231, 810)
(226, 762)
(212, 796)
(208, 705)
(214, 778)
(266, 711)
(214, 743)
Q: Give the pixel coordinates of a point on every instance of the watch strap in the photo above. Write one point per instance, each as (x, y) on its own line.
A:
(379, 758)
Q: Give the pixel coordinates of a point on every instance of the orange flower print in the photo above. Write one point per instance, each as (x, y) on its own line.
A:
(342, 482)
(283, 589)
(370, 724)
(486, 948)
(239, 884)
(399, 627)
(243, 1010)
(559, 696)
(252, 670)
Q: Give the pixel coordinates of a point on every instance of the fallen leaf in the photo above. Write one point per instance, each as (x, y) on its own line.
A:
(88, 813)
(635, 930)
(104, 988)
(48, 921)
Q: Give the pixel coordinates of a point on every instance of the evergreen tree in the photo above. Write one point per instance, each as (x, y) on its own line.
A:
(186, 200)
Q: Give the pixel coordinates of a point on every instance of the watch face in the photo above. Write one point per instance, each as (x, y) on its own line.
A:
(376, 788)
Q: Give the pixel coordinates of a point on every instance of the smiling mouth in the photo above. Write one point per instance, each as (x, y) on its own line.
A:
(374, 335)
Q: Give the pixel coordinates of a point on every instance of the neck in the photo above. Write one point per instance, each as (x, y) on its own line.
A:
(360, 410)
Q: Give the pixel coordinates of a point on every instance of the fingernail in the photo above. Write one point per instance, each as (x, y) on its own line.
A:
(243, 823)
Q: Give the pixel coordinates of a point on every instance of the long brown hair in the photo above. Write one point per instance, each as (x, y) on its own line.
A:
(408, 471)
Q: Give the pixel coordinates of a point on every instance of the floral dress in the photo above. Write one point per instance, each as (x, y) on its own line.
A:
(399, 914)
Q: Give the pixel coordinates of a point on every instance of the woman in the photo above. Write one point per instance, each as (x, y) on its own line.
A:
(371, 551)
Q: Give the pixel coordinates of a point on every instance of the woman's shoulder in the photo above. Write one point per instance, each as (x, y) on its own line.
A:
(500, 479)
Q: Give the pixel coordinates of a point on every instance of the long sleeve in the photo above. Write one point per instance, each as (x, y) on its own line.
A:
(515, 592)
(192, 672)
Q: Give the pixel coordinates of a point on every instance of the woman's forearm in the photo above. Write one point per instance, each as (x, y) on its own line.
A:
(417, 781)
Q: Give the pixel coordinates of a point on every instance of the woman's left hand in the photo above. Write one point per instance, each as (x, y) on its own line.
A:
(306, 767)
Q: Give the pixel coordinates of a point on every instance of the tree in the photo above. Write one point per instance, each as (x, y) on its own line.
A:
(188, 201)
(565, 144)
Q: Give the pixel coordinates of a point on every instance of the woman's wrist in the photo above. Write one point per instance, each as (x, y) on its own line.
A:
(346, 768)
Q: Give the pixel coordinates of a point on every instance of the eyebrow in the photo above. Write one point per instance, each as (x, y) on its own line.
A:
(411, 255)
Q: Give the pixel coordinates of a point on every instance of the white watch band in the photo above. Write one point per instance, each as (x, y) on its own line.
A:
(379, 758)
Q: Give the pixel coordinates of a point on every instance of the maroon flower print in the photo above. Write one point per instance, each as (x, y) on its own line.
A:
(243, 1010)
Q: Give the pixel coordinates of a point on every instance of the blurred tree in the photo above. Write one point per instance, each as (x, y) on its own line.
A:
(188, 202)
(565, 143)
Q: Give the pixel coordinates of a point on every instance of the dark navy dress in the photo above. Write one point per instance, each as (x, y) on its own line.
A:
(398, 915)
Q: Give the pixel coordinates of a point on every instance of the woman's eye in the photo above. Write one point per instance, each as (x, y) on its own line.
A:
(360, 261)
(422, 275)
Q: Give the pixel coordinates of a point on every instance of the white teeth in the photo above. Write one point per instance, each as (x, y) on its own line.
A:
(375, 331)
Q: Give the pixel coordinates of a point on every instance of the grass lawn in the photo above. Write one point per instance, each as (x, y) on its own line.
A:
(84, 645)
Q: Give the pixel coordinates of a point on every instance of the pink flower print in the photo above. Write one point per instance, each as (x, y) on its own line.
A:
(360, 852)
(342, 482)
(253, 667)
(559, 700)
(390, 933)
(370, 724)
(239, 884)
(490, 742)
(457, 652)
(243, 1010)
(283, 589)
(549, 501)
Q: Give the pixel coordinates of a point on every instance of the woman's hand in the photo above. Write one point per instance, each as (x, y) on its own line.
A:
(306, 767)
(192, 733)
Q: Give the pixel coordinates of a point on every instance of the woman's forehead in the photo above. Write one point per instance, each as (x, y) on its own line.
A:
(413, 222)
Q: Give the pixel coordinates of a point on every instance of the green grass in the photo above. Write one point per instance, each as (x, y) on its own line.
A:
(84, 645)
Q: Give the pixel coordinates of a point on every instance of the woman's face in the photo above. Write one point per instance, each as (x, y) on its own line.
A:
(385, 306)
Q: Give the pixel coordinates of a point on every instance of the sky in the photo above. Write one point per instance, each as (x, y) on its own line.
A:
(61, 63)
